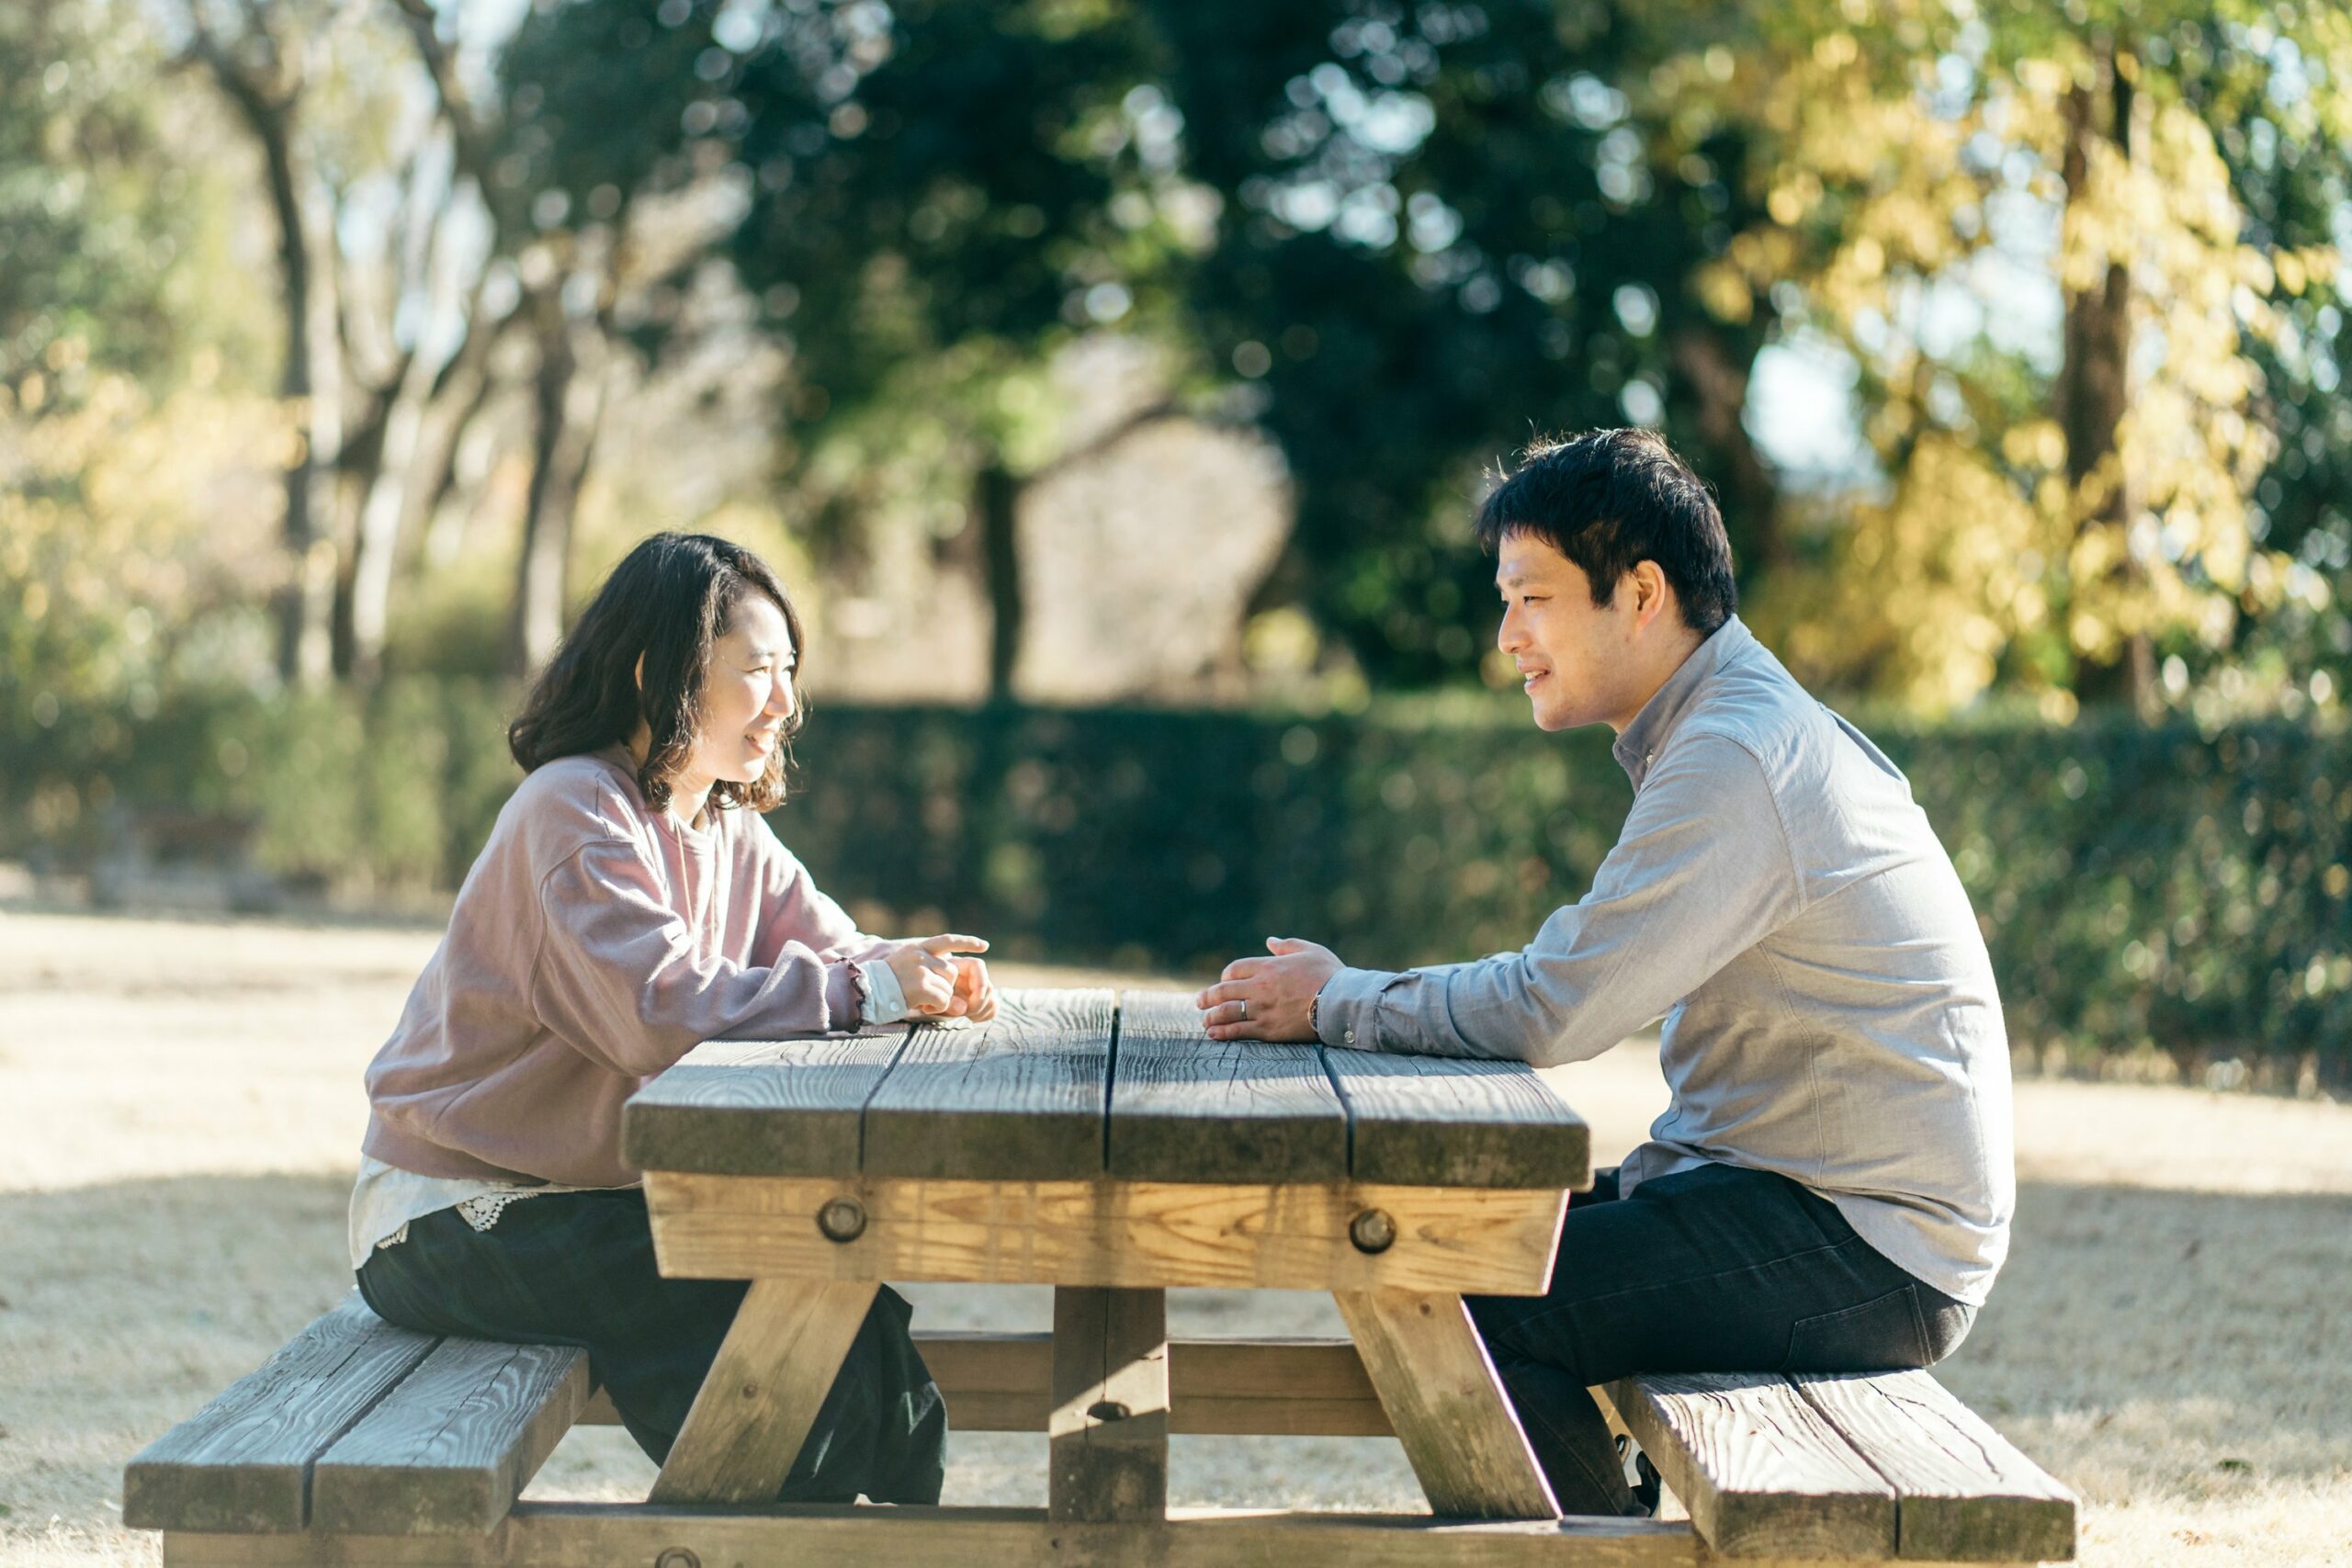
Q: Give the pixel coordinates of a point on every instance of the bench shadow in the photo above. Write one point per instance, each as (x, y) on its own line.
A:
(2138, 1337)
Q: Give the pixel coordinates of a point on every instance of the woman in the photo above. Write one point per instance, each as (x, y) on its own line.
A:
(630, 904)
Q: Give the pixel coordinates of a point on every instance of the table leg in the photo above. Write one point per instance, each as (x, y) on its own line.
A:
(1109, 1426)
(761, 1398)
(1439, 1387)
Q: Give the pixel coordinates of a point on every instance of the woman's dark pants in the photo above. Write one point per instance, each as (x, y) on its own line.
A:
(577, 1268)
(1717, 1269)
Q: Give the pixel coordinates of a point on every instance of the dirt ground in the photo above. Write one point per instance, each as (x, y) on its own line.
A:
(180, 1106)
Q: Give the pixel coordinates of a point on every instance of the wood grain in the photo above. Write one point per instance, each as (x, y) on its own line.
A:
(243, 1461)
(1760, 1470)
(1964, 1493)
(1187, 1108)
(1106, 1232)
(1021, 1098)
(1107, 1432)
(761, 1396)
(1439, 1387)
(766, 1108)
(1444, 1122)
(454, 1444)
(1298, 1388)
(590, 1535)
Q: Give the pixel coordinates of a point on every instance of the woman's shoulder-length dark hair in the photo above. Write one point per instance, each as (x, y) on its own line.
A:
(666, 602)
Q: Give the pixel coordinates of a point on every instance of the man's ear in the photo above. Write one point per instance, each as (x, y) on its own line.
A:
(1650, 592)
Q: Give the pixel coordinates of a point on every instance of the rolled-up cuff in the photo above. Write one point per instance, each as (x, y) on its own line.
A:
(885, 999)
(1347, 1010)
(844, 998)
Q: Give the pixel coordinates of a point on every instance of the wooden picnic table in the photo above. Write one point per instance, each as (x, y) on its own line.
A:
(1103, 1146)
(1102, 1143)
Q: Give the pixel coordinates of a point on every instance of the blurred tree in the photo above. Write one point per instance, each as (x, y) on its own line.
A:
(120, 424)
(264, 57)
(90, 239)
(927, 200)
(1906, 152)
(1448, 228)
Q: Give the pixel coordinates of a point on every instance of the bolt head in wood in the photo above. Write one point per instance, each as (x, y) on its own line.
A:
(1373, 1230)
(842, 1219)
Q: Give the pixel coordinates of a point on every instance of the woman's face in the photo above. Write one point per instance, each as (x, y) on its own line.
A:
(746, 694)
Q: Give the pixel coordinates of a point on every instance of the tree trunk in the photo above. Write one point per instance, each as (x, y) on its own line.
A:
(567, 406)
(2093, 391)
(1714, 366)
(309, 379)
(996, 505)
(375, 542)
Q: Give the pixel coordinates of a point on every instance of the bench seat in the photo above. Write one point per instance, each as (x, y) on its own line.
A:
(367, 1432)
(1884, 1467)
(360, 1427)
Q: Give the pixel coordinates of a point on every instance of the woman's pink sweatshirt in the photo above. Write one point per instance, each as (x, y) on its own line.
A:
(593, 944)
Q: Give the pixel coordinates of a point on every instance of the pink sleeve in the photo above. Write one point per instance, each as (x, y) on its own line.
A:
(793, 909)
(619, 974)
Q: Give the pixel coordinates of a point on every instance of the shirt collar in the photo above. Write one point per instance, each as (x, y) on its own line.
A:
(1643, 739)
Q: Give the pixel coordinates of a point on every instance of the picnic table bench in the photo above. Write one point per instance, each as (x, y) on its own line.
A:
(1103, 1146)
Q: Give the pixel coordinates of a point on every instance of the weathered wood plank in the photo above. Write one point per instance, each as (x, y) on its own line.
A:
(454, 1444)
(1019, 1098)
(1490, 1242)
(1287, 1388)
(761, 1396)
(1761, 1472)
(578, 1535)
(1439, 1387)
(1108, 1431)
(1446, 1123)
(1187, 1108)
(760, 1108)
(1963, 1491)
(243, 1461)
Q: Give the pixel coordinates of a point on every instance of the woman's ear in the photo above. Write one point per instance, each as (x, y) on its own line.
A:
(640, 673)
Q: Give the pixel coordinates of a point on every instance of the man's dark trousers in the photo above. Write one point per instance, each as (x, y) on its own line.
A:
(1716, 1270)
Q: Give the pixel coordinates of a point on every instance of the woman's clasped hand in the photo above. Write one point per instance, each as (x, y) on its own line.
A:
(941, 981)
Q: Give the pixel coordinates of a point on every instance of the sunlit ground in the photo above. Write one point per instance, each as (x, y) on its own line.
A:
(179, 1107)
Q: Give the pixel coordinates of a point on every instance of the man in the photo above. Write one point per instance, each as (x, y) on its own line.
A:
(1830, 1186)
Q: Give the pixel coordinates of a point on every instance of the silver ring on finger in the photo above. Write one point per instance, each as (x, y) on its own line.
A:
(1245, 1010)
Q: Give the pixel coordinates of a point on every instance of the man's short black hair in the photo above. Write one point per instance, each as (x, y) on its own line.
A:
(1609, 499)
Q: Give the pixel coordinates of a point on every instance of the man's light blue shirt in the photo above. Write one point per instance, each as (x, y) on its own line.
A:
(1779, 899)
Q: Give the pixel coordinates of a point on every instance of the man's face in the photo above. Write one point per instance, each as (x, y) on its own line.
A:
(1574, 656)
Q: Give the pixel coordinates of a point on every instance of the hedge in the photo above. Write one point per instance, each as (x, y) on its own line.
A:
(2158, 892)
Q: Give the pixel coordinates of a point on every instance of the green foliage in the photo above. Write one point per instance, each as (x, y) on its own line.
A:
(2143, 889)
(395, 791)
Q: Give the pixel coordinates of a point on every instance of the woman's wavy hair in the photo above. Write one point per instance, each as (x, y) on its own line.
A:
(667, 602)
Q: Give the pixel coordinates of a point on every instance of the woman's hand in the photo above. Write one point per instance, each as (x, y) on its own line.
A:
(932, 979)
(975, 991)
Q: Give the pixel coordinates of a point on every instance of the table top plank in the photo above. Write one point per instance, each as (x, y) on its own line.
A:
(1021, 1098)
(762, 1107)
(1447, 1122)
(1187, 1108)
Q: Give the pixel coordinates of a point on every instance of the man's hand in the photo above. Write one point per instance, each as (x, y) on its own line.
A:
(934, 979)
(1269, 998)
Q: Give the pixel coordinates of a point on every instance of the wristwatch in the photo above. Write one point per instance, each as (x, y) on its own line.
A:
(1314, 1013)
